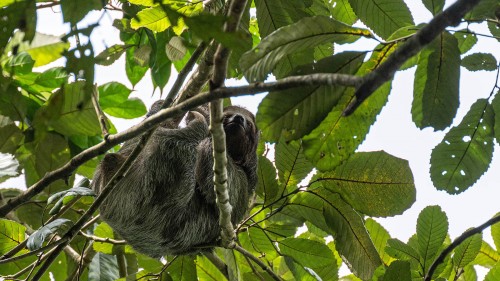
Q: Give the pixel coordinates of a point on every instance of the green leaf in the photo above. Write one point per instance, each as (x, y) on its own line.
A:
(352, 239)
(113, 98)
(467, 251)
(480, 61)
(435, 93)
(65, 196)
(21, 63)
(111, 54)
(11, 235)
(11, 15)
(432, 228)
(291, 163)
(11, 137)
(305, 107)
(45, 48)
(337, 137)
(206, 270)
(398, 271)
(300, 36)
(485, 9)
(75, 10)
(153, 18)
(308, 253)
(496, 109)
(466, 40)
(383, 16)
(183, 269)
(342, 11)
(466, 150)
(495, 233)
(103, 267)
(493, 274)
(105, 231)
(52, 78)
(60, 226)
(434, 6)
(487, 256)
(402, 251)
(161, 68)
(267, 186)
(299, 272)
(134, 71)
(373, 183)
(379, 236)
(175, 49)
(70, 112)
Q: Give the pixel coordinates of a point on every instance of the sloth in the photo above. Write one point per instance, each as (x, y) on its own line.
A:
(165, 204)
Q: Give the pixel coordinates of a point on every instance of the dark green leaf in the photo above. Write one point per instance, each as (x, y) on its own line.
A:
(134, 71)
(300, 36)
(291, 163)
(305, 107)
(466, 40)
(434, 6)
(398, 271)
(21, 63)
(111, 54)
(183, 269)
(65, 196)
(353, 241)
(432, 228)
(466, 150)
(483, 10)
(75, 10)
(160, 70)
(267, 186)
(308, 253)
(52, 78)
(103, 267)
(480, 61)
(60, 226)
(207, 271)
(402, 251)
(10, 137)
(373, 183)
(467, 251)
(496, 109)
(383, 16)
(435, 93)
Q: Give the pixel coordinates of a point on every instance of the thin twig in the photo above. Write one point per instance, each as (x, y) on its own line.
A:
(99, 112)
(217, 262)
(258, 262)
(103, 239)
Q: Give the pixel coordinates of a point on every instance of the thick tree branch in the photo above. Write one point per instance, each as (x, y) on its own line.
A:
(457, 242)
(217, 262)
(217, 129)
(372, 81)
(223, 92)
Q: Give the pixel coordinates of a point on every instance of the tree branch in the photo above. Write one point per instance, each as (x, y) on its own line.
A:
(457, 242)
(217, 262)
(162, 115)
(373, 80)
(257, 261)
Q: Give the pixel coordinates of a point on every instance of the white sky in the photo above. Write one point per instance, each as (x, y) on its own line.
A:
(393, 132)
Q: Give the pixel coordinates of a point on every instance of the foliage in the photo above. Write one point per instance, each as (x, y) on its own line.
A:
(316, 196)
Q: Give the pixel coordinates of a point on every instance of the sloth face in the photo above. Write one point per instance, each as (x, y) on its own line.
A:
(241, 133)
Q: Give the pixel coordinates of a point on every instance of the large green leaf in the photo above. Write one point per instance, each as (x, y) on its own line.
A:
(305, 107)
(432, 228)
(36, 239)
(493, 274)
(291, 163)
(487, 256)
(352, 239)
(300, 36)
(113, 98)
(70, 112)
(379, 236)
(495, 233)
(206, 270)
(153, 18)
(183, 268)
(161, 64)
(10, 136)
(45, 48)
(11, 235)
(383, 16)
(434, 6)
(342, 11)
(135, 72)
(466, 40)
(435, 93)
(103, 267)
(402, 251)
(21, 63)
(337, 137)
(267, 187)
(467, 251)
(398, 271)
(480, 61)
(466, 151)
(373, 183)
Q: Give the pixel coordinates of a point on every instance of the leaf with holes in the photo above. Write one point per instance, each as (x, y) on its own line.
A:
(480, 61)
(302, 35)
(466, 151)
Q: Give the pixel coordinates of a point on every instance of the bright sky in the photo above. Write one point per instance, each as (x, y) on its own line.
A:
(393, 132)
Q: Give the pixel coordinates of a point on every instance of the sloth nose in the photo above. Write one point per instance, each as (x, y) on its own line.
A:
(238, 119)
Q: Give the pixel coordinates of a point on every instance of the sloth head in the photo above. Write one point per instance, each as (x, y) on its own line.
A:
(241, 134)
